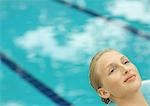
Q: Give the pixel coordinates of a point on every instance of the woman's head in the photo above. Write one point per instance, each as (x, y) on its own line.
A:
(113, 76)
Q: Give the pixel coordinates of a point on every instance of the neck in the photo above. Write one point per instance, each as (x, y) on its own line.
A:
(136, 99)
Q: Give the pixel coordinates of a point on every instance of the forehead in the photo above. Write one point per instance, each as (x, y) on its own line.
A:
(108, 58)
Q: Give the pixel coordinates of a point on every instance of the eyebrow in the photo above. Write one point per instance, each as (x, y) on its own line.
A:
(122, 58)
(111, 64)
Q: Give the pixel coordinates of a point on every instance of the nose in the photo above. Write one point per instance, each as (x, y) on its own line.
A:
(125, 70)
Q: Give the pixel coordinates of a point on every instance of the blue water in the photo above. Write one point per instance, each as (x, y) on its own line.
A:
(55, 43)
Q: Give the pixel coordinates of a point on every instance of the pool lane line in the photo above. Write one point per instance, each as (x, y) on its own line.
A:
(48, 92)
(133, 30)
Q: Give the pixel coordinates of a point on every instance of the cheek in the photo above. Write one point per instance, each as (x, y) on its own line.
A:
(116, 90)
(137, 72)
(134, 68)
(115, 85)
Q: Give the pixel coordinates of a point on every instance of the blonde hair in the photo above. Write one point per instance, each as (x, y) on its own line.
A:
(94, 75)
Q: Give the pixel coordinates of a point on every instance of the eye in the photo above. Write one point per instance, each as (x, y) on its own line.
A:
(126, 62)
(112, 70)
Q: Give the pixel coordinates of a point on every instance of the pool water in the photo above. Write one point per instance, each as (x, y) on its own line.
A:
(48, 45)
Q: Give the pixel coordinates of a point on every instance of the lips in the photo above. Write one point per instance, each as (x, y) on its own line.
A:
(129, 77)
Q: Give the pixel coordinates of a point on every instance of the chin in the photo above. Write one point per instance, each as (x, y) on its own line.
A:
(138, 85)
(135, 86)
(139, 81)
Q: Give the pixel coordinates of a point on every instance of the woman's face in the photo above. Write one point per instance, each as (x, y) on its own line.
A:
(118, 74)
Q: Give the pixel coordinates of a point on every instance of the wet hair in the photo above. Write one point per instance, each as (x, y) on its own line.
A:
(94, 75)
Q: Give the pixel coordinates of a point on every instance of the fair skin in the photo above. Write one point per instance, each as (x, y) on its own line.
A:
(120, 80)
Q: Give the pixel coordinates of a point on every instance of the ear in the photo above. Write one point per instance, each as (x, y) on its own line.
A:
(103, 93)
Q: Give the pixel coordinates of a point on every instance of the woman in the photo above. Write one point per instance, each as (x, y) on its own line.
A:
(116, 79)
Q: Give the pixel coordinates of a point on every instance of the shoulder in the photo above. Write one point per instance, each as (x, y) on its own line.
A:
(145, 86)
(145, 90)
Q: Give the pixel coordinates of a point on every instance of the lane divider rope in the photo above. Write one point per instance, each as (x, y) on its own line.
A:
(110, 19)
(48, 92)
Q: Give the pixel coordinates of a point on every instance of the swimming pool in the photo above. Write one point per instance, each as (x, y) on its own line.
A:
(47, 46)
